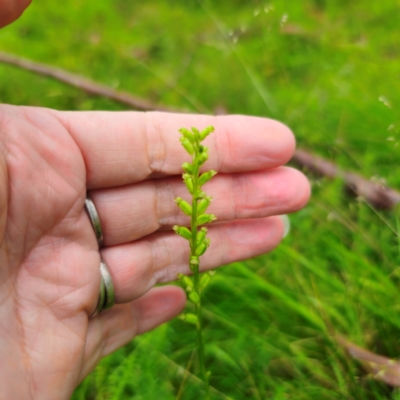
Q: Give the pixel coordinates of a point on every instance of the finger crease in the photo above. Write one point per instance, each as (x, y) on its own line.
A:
(156, 152)
(164, 206)
(161, 259)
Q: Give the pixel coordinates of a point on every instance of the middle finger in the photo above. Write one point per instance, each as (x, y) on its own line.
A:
(131, 212)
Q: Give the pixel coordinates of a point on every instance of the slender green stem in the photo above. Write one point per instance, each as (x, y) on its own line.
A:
(196, 276)
(200, 342)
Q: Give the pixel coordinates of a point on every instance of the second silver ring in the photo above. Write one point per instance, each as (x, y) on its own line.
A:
(106, 293)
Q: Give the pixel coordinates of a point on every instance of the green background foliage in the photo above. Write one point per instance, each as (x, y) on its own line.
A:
(328, 69)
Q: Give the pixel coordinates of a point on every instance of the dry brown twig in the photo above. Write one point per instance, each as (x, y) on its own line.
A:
(87, 85)
(374, 193)
(381, 368)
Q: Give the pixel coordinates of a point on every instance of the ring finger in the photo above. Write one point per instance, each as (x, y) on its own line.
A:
(136, 267)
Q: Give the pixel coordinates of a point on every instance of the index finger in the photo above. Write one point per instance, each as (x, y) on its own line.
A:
(121, 148)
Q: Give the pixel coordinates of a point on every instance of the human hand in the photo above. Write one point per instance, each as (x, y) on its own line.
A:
(131, 164)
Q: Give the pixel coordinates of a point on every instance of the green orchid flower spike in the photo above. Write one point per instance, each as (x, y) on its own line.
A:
(196, 236)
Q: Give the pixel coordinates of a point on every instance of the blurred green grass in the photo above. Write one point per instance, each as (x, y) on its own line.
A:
(319, 66)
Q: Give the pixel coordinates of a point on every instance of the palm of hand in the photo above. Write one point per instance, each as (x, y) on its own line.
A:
(48, 253)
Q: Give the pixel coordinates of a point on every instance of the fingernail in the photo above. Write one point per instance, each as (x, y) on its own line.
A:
(286, 224)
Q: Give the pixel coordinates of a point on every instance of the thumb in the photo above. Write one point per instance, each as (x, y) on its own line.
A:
(10, 10)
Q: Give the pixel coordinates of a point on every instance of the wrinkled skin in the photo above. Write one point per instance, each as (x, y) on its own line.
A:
(49, 275)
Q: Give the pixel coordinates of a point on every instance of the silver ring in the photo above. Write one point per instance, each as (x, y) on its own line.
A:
(94, 219)
(107, 294)
(100, 301)
(109, 299)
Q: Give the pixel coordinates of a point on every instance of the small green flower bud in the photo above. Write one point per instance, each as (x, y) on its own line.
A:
(200, 195)
(204, 133)
(187, 145)
(188, 182)
(190, 318)
(205, 279)
(205, 219)
(202, 158)
(184, 206)
(204, 203)
(202, 247)
(183, 231)
(194, 297)
(188, 168)
(201, 235)
(185, 281)
(187, 134)
(193, 263)
(206, 177)
(196, 132)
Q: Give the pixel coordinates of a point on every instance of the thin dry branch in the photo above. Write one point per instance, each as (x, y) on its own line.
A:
(85, 84)
(381, 368)
(374, 193)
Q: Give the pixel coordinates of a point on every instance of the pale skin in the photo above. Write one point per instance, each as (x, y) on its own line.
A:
(130, 162)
